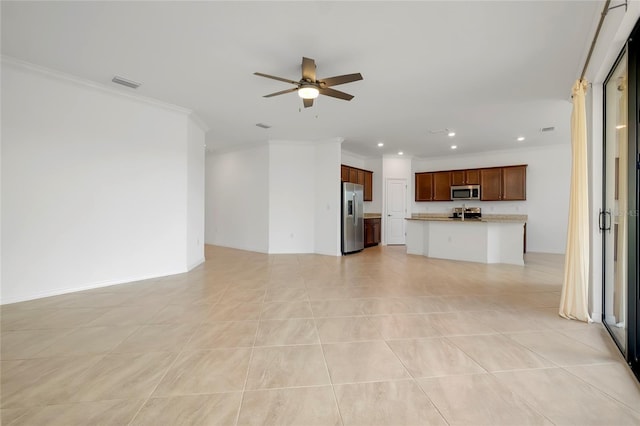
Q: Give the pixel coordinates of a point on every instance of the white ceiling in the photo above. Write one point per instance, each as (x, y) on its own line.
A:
(490, 71)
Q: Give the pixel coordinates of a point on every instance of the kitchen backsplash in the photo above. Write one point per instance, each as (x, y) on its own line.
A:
(488, 207)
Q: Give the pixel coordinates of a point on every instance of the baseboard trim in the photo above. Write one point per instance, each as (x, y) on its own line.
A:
(196, 264)
(61, 291)
(237, 247)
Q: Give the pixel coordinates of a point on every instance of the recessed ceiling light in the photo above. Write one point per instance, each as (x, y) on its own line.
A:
(451, 134)
(520, 139)
(400, 153)
(454, 146)
(380, 144)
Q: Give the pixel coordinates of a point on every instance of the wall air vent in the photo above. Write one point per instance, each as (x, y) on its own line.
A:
(125, 82)
(547, 129)
(264, 126)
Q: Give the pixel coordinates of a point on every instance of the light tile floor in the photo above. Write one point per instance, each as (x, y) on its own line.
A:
(372, 338)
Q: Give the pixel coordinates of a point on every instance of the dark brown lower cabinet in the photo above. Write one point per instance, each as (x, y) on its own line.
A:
(372, 232)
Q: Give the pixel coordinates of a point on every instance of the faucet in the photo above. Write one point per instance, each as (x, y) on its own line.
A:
(464, 209)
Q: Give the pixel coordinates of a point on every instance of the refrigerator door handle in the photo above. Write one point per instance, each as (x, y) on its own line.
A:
(355, 211)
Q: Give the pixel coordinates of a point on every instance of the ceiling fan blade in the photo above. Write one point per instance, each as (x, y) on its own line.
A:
(335, 94)
(282, 92)
(307, 103)
(309, 69)
(340, 79)
(277, 78)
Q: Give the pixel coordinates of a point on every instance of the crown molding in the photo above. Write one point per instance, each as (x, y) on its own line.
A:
(271, 142)
(237, 148)
(353, 154)
(28, 66)
(199, 121)
(515, 149)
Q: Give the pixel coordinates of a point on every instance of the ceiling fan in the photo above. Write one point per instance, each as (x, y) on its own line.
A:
(309, 88)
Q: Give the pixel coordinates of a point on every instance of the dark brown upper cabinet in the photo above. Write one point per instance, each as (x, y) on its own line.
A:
(491, 184)
(465, 177)
(368, 186)
(504, 183)
(514, 183)
(344, 173)
(360, 176)
(424, 186)
(353, 175)
(442, 186)
(508, 183)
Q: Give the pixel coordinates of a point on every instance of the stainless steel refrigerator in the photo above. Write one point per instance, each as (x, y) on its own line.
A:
(352, 217)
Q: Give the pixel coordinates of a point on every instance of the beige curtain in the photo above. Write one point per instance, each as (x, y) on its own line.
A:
(575, 288)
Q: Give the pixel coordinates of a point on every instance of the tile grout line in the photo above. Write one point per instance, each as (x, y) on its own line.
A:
(516, 395)
(316, 320)
(170, 366)
(253, 345)
(522, 398)
(606, 394)
(326, 366)
(415, 380)
(508, 335)
(100, 356)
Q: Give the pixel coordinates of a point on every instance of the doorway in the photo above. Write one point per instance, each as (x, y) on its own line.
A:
(396, 209)
(619, 213)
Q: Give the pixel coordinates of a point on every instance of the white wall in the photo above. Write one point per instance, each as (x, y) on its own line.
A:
(547, 204)
(280, 197)
(374, 165)
(94, 185)
(327, 198)
(237, 199)
(195, 194)
(292, 201)
(351, 159)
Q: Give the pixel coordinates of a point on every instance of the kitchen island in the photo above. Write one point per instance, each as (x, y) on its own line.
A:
(490, 239)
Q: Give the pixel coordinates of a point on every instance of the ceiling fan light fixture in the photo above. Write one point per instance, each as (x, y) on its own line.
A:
(308, 92)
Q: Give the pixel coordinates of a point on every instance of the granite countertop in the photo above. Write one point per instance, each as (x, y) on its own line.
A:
(492, 218)
(373, 216)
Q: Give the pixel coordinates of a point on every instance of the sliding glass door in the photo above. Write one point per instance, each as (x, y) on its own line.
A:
(613, 220)
(619, 214)
(633, 202)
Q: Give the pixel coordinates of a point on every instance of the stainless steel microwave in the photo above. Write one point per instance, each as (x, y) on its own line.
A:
(465, 192)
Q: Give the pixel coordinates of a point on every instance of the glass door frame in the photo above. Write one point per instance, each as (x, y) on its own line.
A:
(632, 350)
(633, 353)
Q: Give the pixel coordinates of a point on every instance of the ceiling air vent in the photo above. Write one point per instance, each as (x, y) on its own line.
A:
(125, 82)
(264, 126)
(547, 129)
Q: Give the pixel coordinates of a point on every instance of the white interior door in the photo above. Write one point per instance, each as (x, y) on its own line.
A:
(396, 209)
